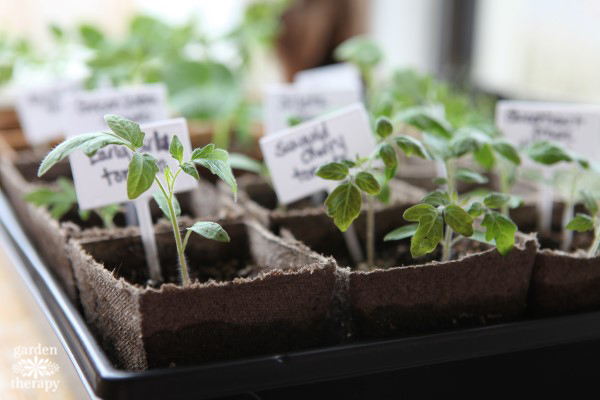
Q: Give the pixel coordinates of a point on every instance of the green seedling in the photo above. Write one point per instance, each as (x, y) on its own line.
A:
(364, 53)
(144, 172)
(344, 203)
(444, 213)
(549, 153)
(62, 199)
(588, 222)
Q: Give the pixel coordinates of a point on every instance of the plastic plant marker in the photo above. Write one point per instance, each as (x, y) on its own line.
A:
(142, 208)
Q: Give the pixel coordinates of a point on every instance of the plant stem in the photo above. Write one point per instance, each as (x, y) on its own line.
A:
(370, 232)
(180, 248)
(567, 235)
(504, 188)
(447, 244)
(596, 244)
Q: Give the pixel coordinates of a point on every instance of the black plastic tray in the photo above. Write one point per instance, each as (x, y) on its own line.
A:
(544, 355)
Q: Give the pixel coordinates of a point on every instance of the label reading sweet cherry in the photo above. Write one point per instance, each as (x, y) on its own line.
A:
(574, 126)
(144, 103)
(335, 76)
(102, 179)
(42, 112)
(294, 154)
(287, 105)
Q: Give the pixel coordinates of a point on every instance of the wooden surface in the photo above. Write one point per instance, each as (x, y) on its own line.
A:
(23, 324)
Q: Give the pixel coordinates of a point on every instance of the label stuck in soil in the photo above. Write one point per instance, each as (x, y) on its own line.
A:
(294, 154)
(574, 126)
(288, 105)
(102, 179)
(142, 104)
(341, 76)
(42, 110)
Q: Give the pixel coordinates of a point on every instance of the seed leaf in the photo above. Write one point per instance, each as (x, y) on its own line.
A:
(344, 204)
(581, 223)
(163, 204)
(410, 146)
(333, 171)
(176, 149)
(89, 143)
(126, 129)
(470, 176)
(401, 233)
(548, 153)
(142, 170)
(367, 183)
(507, 150)
(458, 220)
(501, 229)
(210, 230)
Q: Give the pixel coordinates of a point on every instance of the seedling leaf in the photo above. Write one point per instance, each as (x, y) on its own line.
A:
(190, 169)
(458, 220)
(344, 204)
(470, 176)
(383, 127)
(176, 149)
(142, 170)
(436, 198)
(125, 129)
(210, 230)
(401, 233)
(217, 162)
(163, 204)
(333, 171)
(410, 146)
(581, 223)
(501, 229)
(367, 183)
(507, 150)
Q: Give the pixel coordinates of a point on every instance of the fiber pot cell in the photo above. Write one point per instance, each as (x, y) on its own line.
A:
(309, 223)
(565, 283)
(265, 295)
(477, 288)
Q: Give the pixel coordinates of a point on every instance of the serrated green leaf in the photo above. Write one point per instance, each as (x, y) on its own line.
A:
(210, 230)
(217, 162)
(430, 230)
(383, 127)
(416, 212)
(476, 209)
(89, 143)
(496, 200)
(333, 171)
(507, 151)
(436, 198)
(459, 220)
(203, 152)
(125, 129)
(163, 204)
(403, 232)
(470, 176)
(367, 183)
(410, 146)
(142, 170)
(581, 223)
(501, 229)
(590, 202)
(344, 204)
(176, 149)
(58, 201)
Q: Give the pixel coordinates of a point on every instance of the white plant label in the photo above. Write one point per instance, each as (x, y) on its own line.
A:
(294, 154)
(42, 110)
(574, 126)
(144, 103)
(102, 179)
(284, 103)
(342, 76)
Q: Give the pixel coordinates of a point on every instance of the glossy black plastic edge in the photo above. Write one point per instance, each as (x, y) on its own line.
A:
(213, 380)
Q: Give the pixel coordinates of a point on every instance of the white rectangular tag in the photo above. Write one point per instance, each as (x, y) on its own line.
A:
(42, 110)
(144, 103)
(284, 103)
(341, 76)
(294, 154)
(102, 179)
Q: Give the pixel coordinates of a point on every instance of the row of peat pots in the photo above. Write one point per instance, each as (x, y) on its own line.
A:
(283, 282)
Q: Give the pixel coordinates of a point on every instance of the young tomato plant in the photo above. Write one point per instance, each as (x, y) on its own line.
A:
(443, 213)
(61, 200)
(591, 222)
(548, 153)
(144, 172)
(344, 203)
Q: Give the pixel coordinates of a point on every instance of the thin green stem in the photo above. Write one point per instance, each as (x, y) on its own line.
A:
(370, 232)
(180, 248)
(567, 235)
(593, 250)
(185, 240)
(447, 244)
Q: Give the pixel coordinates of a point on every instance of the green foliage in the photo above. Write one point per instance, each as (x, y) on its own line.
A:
(550, 153)
(210, 230)
(143, 171)
(501, 229)
(581, 223)
(343, 205)
(430, 230)
(333, 171)
(359, 50)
